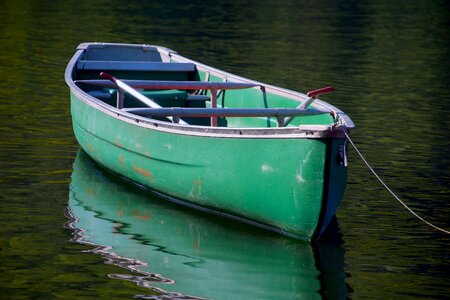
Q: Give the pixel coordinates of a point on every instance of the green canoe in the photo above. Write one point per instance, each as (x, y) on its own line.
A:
(209, 139)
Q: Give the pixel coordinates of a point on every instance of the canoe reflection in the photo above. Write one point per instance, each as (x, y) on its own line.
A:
(177, 249)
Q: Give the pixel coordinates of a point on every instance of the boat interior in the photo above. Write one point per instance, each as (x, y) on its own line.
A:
(193, 93)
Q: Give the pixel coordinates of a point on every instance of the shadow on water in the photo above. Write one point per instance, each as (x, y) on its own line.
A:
(177, 251)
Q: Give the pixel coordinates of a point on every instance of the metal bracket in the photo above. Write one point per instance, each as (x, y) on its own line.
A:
(343, 154)
(280, 121)
(176, 119)
(120, 97)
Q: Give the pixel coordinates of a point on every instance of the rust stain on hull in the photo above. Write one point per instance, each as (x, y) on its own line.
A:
(198, 186)
(90, 147)
(143, 172)
(120, 145)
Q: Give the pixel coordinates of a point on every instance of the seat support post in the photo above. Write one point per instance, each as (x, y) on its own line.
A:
(214, 105)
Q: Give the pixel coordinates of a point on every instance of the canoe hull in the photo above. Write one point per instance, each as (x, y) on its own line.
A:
(282, 184)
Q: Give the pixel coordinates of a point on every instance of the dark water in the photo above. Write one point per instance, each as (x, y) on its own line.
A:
(389, 61)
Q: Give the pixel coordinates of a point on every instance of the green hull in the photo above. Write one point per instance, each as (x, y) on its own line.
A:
(284, 179)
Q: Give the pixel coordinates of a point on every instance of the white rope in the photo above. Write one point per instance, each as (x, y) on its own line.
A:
(390, 191)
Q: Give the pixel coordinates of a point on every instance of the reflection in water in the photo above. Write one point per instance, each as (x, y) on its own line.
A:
(176, 249)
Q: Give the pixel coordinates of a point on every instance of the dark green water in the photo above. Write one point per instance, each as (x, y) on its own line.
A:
(390, 63)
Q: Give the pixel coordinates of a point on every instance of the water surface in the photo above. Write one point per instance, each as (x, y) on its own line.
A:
(388, 60)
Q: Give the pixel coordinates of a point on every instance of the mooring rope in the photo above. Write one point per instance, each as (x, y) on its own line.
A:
(390, 191)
